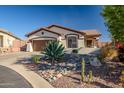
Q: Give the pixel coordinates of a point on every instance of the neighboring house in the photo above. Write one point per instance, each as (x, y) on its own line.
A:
(103, 44)
(9, 42)
(70, 38)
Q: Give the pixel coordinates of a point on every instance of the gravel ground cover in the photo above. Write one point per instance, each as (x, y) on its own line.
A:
(68, 74)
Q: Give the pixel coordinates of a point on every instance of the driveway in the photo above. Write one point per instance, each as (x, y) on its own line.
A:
(16, 75)
(11, 79)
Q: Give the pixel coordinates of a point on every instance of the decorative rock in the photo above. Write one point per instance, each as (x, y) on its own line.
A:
(44, 66)
(74, 69)
(70, 65)
(40, 71)
(49, 79)
(54, 78)
(59, 75)
(25, 62)
(51, 71)
(95, 62)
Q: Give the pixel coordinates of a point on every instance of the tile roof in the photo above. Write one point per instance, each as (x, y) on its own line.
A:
(8, 33)
(46, 29)
(73, 30)
(91, 32)
(84, 32)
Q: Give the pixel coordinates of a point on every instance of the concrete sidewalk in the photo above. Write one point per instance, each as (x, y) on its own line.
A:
(33, 78)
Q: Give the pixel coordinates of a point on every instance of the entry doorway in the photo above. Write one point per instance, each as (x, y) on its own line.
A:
(89, 43)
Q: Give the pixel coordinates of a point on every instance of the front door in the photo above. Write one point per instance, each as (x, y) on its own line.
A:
(89, 43)
(72, 42)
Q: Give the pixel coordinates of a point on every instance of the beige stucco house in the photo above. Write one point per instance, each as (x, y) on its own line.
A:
(9, 42)
(70, 38)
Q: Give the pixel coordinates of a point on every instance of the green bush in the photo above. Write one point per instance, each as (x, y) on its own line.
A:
(54, 51)
(36, 58)
(75, 51)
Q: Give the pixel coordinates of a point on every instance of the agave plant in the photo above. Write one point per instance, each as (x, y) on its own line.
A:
(54, 51)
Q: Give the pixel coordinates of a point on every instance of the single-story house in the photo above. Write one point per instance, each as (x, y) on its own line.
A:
(70, 38)
(9, 42)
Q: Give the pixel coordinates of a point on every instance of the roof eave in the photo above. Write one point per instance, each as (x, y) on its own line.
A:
(33, 32)
(67, 29)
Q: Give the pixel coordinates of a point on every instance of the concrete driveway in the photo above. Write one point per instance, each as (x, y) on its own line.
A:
(11, 79)
(16, 75)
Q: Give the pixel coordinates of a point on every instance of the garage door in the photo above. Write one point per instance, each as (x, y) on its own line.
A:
(39, 45)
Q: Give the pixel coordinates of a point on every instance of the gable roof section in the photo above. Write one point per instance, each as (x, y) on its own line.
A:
(35, 31)
(91, 32)
(77, 31)
(9, 33)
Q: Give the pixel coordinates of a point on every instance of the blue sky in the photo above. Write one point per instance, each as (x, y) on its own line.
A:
(23, 19)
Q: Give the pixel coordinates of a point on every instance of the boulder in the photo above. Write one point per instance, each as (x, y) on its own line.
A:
(54, 78)
(59, 75)
(95, 62)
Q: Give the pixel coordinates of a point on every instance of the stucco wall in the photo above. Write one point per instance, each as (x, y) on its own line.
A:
(46, 34)
(81, 43)
(66, 32)
(64, 43)
(63, 31)
(7, 40)
(17, 45)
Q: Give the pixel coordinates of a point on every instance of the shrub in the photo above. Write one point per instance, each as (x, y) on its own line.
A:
(75, 51)
(109, 52)
(121, 57)
(54, 51)
(36, 58)
(122, 72)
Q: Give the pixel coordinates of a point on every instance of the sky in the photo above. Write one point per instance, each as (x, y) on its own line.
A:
(23, 19)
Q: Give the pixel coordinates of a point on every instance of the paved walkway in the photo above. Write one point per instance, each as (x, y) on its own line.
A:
(10, 60)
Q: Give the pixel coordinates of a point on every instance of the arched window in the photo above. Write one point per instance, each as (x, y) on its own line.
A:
(72, 41)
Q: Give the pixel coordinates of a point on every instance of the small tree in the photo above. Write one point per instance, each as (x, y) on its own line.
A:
(54, 51)
(114, 20)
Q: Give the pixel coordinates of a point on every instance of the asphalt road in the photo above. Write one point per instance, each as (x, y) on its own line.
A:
(11, 79)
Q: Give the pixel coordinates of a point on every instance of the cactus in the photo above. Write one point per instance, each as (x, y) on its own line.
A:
(90, 76)
(83, 70)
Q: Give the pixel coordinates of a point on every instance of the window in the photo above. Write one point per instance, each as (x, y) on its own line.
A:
(1, 41)
(9, 42)
(42, 33)
(72, 42)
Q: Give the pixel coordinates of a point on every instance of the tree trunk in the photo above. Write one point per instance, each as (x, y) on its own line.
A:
(52, 62)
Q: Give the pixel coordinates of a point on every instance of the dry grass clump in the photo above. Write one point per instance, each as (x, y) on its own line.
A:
(109, 52)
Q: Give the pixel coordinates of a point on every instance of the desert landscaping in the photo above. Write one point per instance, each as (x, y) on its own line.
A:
(78, 70)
